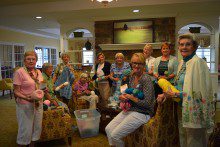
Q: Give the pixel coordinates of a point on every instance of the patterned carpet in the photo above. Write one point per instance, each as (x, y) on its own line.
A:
(8, 130)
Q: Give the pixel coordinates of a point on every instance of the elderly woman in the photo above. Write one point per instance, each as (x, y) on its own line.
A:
(64, 73)
(47, 70)
(29, 111)
(194, 83)
(102, 71)
(117, 70)
(140, 111)
(165, 66)
(147, 51)
(83, 92)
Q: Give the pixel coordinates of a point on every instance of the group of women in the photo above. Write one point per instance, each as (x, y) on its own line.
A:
(190, 76)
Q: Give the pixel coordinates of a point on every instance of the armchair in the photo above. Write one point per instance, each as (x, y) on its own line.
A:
(56, 125)
(160, 131)
(6, 84)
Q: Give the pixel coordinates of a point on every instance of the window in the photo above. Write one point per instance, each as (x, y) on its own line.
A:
(88, 57)
(11, 56)
(46, 55)
(205, 54)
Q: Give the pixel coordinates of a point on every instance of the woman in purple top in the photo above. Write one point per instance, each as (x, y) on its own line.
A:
(83, 92)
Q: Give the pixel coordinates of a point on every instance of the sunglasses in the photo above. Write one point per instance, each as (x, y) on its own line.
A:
(136, 64)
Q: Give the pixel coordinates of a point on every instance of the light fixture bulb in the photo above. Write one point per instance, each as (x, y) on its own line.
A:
(38, 17)
(136, 11)
(105, 2)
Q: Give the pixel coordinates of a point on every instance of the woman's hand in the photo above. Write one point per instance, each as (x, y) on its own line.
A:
(116, 79)
(161, 98)
(112, 78)
(124, 78)
(29, 99)
(122, 97)
(163, 77)
(106, 77)
(150, 72)
(55, 103)
(156, 76)
(88, 92)
(131, 97)
(170, 94)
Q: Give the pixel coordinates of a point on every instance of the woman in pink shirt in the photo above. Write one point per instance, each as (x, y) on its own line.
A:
(29, 111)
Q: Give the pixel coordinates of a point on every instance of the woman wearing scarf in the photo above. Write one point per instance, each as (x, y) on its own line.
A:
(29, 111)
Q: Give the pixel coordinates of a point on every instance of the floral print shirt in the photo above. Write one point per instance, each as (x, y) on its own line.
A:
(197, 110)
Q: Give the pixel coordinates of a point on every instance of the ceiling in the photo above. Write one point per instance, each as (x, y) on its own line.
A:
(20, 15)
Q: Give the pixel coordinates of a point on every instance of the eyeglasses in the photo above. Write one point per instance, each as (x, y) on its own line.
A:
(187, 44)
(30, 59)
(136, 64)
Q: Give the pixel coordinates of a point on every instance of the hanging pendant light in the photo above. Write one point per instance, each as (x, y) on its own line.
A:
(105, 2)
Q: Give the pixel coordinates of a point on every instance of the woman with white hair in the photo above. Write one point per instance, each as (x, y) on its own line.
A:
(59, 69)
(194, 83)
(83, 92)
(29, 111)
(117, 71)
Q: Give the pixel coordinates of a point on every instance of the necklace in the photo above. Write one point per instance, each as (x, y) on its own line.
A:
(32, 75)
(182, 71)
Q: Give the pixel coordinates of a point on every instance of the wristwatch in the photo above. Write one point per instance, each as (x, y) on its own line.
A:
(176, 94)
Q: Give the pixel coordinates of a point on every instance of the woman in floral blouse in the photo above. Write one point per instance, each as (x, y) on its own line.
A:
(117, 72)
(194, 83)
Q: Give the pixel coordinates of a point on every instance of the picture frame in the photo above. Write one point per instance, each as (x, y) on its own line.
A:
(138, 31)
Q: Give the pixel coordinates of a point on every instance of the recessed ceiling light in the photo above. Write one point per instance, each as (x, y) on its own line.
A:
(136, 11)
(38, 17)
